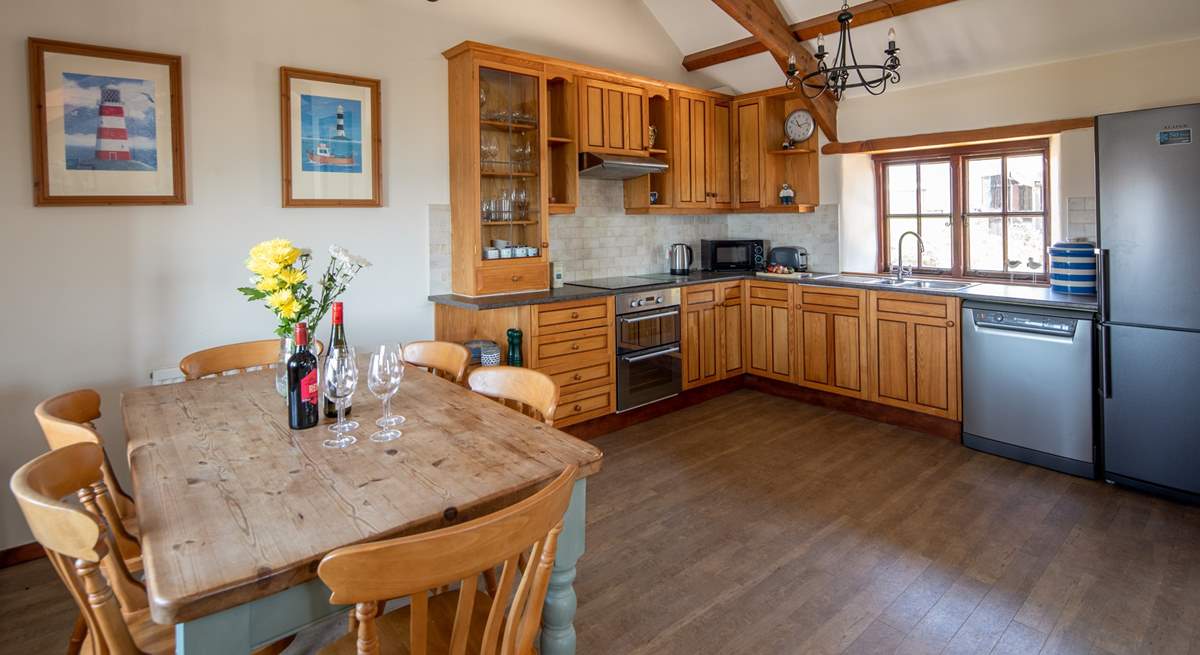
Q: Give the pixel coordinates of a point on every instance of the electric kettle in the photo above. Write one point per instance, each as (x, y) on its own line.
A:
(680, 255)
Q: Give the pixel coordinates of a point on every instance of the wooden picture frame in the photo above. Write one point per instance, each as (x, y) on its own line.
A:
(107, 125)
(333, 157)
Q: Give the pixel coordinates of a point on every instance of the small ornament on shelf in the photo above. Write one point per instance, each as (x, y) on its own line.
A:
(653, 135)
(787, 144)
(786, 195)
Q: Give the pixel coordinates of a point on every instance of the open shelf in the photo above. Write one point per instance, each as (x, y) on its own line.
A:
(658, 151)
(553, 140)
(506, 174)
(561, 208)
(496, 223)
(792, 151)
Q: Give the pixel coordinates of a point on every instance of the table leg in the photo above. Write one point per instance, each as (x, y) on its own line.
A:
(558, 612)
(238, 630)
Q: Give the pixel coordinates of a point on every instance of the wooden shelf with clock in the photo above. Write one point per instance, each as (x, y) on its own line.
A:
(776, 145)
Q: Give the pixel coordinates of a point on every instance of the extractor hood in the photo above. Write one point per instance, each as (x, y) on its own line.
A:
(617, 167)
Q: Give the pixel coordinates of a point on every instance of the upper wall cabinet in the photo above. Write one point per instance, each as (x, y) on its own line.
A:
(762, 165)
(693, 150)
(612, 118)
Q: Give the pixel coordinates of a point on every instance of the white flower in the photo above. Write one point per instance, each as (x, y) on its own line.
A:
(345, 256)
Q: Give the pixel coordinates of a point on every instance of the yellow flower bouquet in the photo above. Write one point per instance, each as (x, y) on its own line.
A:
(280, 280)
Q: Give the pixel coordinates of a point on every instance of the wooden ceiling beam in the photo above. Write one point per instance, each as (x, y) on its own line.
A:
(959, 137)
(763, 19)
(865, 13)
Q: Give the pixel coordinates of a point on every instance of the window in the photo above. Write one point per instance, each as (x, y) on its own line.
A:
(980, 211)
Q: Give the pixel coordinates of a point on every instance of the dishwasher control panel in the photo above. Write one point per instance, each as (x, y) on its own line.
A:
(1025, 322)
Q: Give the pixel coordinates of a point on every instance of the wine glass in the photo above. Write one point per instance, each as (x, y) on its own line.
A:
(383, 379)
(340, 381)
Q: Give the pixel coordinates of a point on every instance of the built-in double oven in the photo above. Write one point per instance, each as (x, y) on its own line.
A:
(649, 364)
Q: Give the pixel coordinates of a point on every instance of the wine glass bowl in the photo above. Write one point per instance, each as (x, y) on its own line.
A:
(385, 370)
(339, 382)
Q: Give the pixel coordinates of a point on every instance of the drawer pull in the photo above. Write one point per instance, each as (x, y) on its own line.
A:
(577, 377)
(574, 314)
(577, 407)
(516, 278)
(575, 346)
(949, 323)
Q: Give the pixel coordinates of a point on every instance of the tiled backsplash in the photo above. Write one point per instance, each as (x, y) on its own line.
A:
(600, 240)
(1081, 218)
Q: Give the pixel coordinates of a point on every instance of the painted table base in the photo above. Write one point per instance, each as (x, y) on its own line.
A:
(241, 629)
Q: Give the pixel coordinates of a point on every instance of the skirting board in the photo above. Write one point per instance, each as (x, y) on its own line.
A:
(21, 554)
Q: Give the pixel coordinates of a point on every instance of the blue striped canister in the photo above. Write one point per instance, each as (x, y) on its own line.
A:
(1073, 267)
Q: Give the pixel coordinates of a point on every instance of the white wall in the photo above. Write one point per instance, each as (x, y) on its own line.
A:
(1069, 89)
(98, 297)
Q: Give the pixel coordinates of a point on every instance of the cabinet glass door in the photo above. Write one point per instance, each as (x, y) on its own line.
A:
(509, 165)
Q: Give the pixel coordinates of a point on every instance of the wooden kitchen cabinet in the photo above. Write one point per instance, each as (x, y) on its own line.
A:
(573, 342)
(831, 340)
(748, 152)
(722, 165)
(731, 319)
(914, 345)
(713, 334)
(612, 118)
(693, 150)
(769, 330)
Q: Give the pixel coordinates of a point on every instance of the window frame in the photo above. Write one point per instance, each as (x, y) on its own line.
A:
(958, 157)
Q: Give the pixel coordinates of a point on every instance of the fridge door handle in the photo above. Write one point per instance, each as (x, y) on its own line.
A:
(1102, 282)
(1105, 357)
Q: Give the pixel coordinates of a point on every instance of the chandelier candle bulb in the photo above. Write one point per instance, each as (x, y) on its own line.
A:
(891, 38)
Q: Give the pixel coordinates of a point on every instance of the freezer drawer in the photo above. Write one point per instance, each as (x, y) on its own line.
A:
(1027, 386)
(1152, 408)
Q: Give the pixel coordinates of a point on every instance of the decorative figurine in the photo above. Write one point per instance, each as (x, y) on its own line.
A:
(653, 197)
(653, 135)
(787, 144)
(786, 195)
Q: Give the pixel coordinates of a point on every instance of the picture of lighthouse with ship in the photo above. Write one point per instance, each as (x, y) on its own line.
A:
(331, 134)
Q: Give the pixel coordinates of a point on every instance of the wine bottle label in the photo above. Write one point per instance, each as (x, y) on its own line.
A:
(308, 388)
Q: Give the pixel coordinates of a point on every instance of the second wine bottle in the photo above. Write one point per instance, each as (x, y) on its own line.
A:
(337, 339)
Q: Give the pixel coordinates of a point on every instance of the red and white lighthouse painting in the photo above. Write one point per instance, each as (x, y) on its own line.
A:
(112, 139)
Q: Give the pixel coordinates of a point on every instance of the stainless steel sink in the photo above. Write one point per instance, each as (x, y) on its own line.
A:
(855, 279)
(928, 285)
(937, 285)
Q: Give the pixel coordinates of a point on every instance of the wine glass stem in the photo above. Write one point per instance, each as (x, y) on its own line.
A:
(341, 409)
(387, 408)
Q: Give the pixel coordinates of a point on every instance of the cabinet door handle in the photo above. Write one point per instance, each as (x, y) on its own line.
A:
(574, 314)
(949, 323)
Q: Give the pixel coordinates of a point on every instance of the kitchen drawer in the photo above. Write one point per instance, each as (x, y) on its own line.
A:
(831, 297)
(698, 295)
(583, 405)
(575, 345)
(512, 278)
(913, 304)
(600, 373)
(575, 315)
(733, 292)
(769, 291)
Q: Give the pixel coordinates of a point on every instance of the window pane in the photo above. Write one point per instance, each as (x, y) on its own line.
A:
(896, 227)
(985, 236)
(1025, 192)
(1026, 244)
(935, 188)
(902, 188)
(938, 236)
(984, 188)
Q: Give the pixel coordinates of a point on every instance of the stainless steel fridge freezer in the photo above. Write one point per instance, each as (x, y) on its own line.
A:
(1148, 179)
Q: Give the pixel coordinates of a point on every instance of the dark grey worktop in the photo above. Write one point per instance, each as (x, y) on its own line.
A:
(1012, 294)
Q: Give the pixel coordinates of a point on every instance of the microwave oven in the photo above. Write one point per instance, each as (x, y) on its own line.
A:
(733, 255)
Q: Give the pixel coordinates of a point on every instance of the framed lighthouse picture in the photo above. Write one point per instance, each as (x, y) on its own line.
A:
(107, 125)
(330, 139)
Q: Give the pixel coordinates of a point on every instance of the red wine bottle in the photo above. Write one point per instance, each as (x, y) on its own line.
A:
(303, 391)
(337, 339)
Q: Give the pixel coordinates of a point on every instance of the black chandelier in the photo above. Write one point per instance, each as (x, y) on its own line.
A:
(836, 78)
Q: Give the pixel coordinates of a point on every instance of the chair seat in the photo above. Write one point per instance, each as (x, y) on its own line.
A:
(394, 627)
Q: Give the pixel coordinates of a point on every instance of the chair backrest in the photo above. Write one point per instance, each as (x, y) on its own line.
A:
(527, 388)
(234, 358)
(412, 566)
(67, 419)
(76, 541)
(443, 358)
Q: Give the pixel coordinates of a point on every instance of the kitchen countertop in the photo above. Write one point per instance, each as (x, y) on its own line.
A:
(1011, 294)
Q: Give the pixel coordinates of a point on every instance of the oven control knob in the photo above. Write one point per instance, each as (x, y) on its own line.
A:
(659, 300)
(633, 303)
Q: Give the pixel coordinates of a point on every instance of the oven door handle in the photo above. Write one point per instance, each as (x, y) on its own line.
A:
(639, 319)
(658, 353)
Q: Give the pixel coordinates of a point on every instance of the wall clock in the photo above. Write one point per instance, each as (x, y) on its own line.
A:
(798, 126)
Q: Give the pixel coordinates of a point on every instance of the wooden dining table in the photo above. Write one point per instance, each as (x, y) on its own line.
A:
(236, 510)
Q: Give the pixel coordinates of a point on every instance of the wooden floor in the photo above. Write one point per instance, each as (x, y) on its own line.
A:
(757, 524)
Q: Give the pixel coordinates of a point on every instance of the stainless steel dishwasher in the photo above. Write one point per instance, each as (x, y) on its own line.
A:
(1027, 385)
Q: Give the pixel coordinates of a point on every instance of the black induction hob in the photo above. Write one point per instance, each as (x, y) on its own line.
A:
(629, 281)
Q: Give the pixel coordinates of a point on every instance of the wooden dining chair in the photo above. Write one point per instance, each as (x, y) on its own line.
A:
(70, 418)
(82, 551)
(234, 358)
(462, 620)
(442, 358)
(526, 390)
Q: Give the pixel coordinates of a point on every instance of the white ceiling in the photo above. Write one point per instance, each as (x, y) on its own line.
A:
(961, 39)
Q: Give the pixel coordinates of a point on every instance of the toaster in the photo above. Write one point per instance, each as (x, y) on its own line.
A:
(793, 256)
